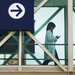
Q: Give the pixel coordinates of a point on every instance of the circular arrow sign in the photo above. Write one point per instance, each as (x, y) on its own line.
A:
(16, 10)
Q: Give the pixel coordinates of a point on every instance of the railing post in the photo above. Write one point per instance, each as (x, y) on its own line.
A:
(20, 51)
(70, 35)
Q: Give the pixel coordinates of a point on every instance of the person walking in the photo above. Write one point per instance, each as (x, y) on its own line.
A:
(50, 39)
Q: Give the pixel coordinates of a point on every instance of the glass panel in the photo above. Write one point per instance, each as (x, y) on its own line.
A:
(40, 17)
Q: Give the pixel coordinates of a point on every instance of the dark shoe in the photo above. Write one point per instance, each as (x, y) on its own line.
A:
(46, 62)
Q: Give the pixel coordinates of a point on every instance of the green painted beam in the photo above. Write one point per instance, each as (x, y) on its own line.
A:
(23, 48)
(74, 10)
(14, 37)
(36, 2)
(28, 51)
(42, 26)
(66, 34)
(32, 56)
(17, 52)
(52, 3)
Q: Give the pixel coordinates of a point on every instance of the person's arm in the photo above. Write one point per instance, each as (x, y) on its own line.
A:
(50, 36)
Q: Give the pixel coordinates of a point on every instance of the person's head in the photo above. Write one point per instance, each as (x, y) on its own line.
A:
(51, 26)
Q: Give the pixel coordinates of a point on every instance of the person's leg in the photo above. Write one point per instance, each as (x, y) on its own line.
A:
(46, 62)
(56, 55)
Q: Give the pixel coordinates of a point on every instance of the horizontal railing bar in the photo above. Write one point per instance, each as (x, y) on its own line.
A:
(29, 59)
(35, 44)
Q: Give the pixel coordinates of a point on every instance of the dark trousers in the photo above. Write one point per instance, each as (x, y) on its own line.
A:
(47, 61)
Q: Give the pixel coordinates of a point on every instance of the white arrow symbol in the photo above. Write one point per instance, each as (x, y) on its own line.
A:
(19, 10)
(16, 10)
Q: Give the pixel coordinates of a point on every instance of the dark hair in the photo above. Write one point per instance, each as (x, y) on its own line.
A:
(51, 24)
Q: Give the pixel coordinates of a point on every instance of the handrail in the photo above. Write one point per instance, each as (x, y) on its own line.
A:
(34, 44)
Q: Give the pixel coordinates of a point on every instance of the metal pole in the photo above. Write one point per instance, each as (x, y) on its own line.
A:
(66, 33)
(70, 36)
(4, 57)
(23, 53)
(20, 50)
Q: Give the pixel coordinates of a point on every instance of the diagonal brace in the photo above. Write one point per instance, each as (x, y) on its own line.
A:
(40, 5)
(7, 38)
(28, 51)
(55, 60)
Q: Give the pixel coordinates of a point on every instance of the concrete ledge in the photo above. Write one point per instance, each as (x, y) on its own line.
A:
(31, 69)
(34, 70)
(35, 73)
